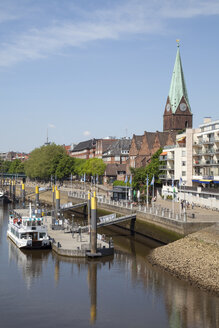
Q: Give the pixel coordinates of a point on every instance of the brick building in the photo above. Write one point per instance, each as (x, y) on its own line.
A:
(84, 150)
(117, 152)
(102, 145)
(143, 147)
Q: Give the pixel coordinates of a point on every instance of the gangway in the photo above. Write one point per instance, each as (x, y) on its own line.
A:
(70, 206)
(106, 222)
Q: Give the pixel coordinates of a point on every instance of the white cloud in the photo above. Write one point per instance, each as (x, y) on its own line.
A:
(52, 126)
(127, 18)
(86, 133)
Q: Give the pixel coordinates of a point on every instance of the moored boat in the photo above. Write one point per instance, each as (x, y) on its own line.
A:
(28, 231)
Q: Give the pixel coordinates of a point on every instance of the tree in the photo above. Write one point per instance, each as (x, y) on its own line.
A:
(43, 161)
(152, 169)
(16, 166)
(94, 166)
(65, 167)
(79, 166)
(4, 166)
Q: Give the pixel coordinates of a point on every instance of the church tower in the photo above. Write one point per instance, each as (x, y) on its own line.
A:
(177, 113)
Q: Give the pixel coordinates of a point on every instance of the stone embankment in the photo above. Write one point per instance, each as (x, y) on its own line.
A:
(194, 258)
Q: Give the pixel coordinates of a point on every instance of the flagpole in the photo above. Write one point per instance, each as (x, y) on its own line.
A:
(147, 190)
(153, 194)
(173, 198)
(180, 199)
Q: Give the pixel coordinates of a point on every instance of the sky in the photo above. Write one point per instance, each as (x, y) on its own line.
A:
(83, 69)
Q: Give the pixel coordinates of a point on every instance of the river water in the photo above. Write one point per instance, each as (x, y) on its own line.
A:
(40, 289)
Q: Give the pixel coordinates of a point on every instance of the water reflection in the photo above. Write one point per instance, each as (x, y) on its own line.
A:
(91, 266)
(31, 263)
(182, 305)
(186, 306)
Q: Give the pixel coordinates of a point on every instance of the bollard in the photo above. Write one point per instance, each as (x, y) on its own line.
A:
(37, 195)
(23, 192)
(10, 183)
(93, 224)
(57, 200)
(88, 209)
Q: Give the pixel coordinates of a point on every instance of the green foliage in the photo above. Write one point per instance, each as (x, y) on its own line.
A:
(152, 169)
(79, 166)
(52, 160)
(16, 166)
(121, 183)
(65, 167)
(43, 161)
(94, 166)
(4, 166)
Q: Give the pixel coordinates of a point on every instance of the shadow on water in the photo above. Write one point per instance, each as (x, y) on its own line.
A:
(119, 291)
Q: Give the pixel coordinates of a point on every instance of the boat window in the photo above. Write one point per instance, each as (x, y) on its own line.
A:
(23, 236)
(42, 234)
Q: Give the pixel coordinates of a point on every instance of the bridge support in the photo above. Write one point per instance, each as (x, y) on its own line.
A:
(132, 226)
(84, 210)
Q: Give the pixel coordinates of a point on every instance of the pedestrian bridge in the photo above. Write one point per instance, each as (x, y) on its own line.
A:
(71, 206)
(107, 221)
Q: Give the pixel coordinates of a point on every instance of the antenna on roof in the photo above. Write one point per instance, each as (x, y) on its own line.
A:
(47, 138)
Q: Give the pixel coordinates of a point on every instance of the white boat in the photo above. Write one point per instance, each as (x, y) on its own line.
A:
(2, 194)
(28, 231)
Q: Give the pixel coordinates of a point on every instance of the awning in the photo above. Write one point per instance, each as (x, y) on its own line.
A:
(181, 139)
(205, 181)
(216, 181)
(195, 180)
(163, 153)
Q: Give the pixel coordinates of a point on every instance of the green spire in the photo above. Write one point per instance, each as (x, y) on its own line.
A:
(178, 86)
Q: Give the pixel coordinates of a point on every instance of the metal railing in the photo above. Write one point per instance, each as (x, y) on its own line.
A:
(158, 211)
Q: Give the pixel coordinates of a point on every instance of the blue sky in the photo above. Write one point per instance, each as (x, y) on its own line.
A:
(93, 68)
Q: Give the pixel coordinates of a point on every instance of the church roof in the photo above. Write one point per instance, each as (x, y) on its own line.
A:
(178, 86)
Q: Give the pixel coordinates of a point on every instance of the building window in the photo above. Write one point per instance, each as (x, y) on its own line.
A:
(183, 163)
(183, 153)
(183, 173)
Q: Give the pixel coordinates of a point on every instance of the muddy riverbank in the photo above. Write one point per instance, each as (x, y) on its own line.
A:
(194, 258)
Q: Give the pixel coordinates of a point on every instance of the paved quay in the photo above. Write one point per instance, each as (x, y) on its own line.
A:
(75, 245)
(200, 214)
